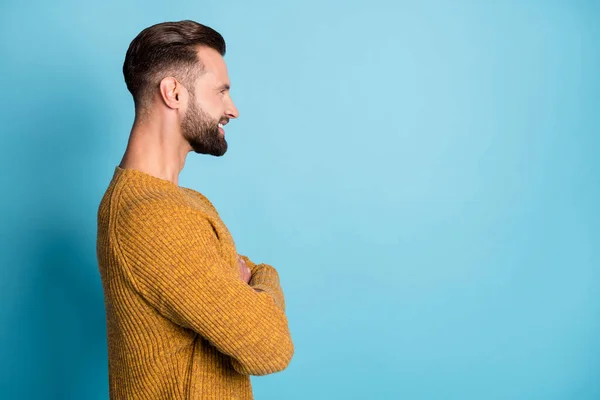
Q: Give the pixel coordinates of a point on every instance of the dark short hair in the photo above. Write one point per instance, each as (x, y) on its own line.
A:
(167, 49)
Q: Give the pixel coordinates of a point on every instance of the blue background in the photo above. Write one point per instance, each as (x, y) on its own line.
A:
(424, 176)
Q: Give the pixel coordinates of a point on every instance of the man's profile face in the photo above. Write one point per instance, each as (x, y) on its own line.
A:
(209, 106)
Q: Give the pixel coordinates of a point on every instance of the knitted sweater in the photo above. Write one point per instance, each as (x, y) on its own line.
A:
(181, 323)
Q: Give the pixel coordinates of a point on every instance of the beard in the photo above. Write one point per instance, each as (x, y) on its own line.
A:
(202, 131)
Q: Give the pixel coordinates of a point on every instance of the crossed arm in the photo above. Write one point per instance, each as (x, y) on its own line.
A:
(177, 267)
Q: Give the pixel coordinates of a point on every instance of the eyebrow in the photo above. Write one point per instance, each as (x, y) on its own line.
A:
(224, 86)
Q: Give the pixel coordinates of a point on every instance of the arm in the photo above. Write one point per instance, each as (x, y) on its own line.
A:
(265, 278)
(175, 264)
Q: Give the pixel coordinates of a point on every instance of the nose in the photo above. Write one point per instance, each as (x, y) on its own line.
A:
(231, 110)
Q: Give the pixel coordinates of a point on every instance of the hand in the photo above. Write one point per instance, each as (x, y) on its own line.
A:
(245, 273)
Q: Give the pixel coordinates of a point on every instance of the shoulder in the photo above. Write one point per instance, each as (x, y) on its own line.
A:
(202, 198)
(153, 215)
(153, 209)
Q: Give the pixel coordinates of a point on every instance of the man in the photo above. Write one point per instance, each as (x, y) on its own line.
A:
(187, 317)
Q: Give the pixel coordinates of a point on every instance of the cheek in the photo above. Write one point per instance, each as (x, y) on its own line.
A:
(210, 103)
(215, 108)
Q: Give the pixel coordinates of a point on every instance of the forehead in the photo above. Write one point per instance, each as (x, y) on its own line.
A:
(214, 65)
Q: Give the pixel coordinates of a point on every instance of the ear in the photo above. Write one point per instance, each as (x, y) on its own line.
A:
(171, 92)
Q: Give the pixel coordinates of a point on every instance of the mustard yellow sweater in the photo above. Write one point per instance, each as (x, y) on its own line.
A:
(181, 323)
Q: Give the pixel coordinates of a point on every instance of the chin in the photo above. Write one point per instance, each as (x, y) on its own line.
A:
(211, 152)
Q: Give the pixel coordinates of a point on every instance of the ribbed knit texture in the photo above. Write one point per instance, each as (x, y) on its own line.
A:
(181, 323)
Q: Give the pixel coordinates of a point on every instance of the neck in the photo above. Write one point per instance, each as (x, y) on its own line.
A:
(157, 148)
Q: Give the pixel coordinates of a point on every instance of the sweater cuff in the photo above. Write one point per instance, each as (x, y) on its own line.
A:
(265, 278)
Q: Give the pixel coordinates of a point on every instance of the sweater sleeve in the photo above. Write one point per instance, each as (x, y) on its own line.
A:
(175, 264)
(266, 278)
